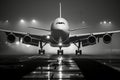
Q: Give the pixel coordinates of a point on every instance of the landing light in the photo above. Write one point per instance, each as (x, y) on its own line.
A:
(60, 44)
(27, 45)
(48, 37)
(17, 43)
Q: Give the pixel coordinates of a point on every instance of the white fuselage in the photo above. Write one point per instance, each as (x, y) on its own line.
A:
(60, 30)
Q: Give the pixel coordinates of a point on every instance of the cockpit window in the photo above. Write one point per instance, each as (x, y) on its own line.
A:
(60, 23)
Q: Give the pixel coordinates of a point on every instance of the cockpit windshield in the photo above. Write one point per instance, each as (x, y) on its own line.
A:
(60, 23)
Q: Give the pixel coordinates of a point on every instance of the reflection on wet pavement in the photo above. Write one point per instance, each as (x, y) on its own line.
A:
(58, 69)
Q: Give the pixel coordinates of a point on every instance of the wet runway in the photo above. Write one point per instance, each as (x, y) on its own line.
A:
(59, 69)
(54, 67)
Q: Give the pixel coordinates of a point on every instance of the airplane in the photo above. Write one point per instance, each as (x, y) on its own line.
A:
(59, 36)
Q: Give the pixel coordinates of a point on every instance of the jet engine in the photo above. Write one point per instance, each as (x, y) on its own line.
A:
(27, 39)
(107, 38)
(91, 39)
(11, 38)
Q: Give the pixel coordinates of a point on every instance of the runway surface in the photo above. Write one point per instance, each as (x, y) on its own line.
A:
(64, 67)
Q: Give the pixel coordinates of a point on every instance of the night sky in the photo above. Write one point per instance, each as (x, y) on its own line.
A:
(75, 11)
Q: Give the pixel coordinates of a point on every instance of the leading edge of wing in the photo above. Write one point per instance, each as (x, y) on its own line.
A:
(39, 29)
(11, 31)
(96, 33)
(19, 33)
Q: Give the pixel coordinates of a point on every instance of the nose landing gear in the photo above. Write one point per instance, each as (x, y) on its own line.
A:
(78, 52)
(60, 52)
(41, 52)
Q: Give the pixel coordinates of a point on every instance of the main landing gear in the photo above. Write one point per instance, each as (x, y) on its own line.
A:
(41, 51)
(60, 52)
(78, 51)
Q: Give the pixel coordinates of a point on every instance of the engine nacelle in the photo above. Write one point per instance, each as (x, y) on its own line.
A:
(11, 38)
(91, 39)
(107, 38)
(27, 39)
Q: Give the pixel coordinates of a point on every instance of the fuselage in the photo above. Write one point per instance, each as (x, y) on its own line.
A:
(59, 32)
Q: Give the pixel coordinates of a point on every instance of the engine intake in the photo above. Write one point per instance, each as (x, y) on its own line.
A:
(91, 40)
(11, 38)
(107, 38)
(27, 39)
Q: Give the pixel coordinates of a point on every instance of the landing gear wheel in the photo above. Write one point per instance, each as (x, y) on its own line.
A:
(78, 52)
(60, 52)
(41, 52)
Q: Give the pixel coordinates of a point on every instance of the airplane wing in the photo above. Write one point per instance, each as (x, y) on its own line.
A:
(40, 29)
(32, 39)
(90, 38)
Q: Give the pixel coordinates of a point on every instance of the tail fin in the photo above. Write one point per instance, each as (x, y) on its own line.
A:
(60, 10)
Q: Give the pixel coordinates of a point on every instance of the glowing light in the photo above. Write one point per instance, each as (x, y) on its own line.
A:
(21, 40)
(34, 72)
(83, 22)
(6, 21)
(60, 75)
(48, 37)
(22, 21)
(17, 43)
(60, 60)
(48, 74)
(48, 67)
(110, 22)
(33, 21)
(104, 22)
(27, 45)
(60, 44)
(60, 68)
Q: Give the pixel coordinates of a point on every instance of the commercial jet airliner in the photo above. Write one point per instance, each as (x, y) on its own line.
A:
(59, 37)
